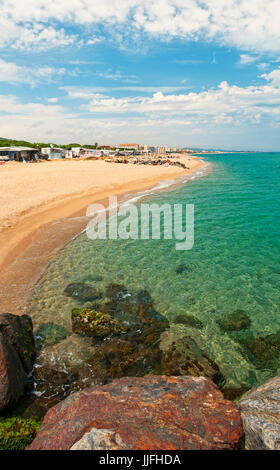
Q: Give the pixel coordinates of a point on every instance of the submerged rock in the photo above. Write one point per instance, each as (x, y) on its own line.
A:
(94, 323)
(260, 411)
(188, 320)
(236, 321)
(82, 291)
(52, 385)
(183, 268)
(146, 312)
(132, 309)
(121, 304)
(150, 413)
(105, 348)
(184, 357)
(50, 333)
(264, 351)
(116, 291)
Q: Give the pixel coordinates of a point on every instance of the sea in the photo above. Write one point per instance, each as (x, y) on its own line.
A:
(234, 265)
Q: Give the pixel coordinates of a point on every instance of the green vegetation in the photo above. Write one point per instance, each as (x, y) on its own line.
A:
(23, 143)
(92, 323)
(17, 433)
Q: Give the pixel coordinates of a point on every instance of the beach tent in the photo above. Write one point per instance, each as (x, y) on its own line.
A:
(17, 153)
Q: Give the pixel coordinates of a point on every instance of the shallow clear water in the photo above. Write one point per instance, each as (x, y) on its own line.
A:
(235, 262)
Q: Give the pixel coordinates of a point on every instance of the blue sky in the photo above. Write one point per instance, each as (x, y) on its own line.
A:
(197, 73)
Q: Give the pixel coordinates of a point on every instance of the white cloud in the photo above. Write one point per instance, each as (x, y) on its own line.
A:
(94, 40)
(11, 105)
(39, 122)
(42, 38)
(88, 93)
(245, 24)
(232, 103)
(273, 77)
(166, 117)
(118, 76)
(246, 59)
(188, 61)
(13, 73)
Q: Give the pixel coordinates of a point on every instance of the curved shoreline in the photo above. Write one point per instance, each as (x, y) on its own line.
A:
(28, 246)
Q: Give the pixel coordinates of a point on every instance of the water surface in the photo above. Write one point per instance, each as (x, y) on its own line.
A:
(235, 262)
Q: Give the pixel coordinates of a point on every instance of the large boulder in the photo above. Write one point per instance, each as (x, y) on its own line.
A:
(17, 356)
(12, 375)
(153, 412)
(260, 411)
(18, 332)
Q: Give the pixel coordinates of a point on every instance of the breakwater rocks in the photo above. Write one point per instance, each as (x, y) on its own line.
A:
(122, 335)
(154, 412)
(17, 356)
(175, 409)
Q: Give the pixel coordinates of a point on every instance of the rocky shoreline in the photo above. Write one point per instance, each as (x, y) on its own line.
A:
(170, 394)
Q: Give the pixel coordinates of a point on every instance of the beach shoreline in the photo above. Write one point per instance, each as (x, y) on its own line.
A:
(30, 239)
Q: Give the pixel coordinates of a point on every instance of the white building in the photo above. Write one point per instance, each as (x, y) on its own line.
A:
(161, 150)
(53, 152)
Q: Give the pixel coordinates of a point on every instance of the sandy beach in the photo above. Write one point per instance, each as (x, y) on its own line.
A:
(43, 206)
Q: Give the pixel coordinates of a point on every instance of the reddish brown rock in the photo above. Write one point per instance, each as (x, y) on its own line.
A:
(153, 412)
(17, 355)
(12, 375)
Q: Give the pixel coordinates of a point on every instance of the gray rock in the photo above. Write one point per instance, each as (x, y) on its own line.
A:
(100, 439)
(260, 411)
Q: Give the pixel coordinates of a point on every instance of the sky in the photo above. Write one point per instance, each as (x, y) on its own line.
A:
(186, 73)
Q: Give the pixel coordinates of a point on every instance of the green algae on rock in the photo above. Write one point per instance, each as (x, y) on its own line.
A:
(17, 433)
(49, 333)
(94, 323)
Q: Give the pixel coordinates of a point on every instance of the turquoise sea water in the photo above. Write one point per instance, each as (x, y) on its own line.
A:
(234, 264)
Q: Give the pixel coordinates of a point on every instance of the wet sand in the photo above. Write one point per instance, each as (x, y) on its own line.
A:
(43, 206)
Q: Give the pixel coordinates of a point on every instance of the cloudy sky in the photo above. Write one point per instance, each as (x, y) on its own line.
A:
(202, 73)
